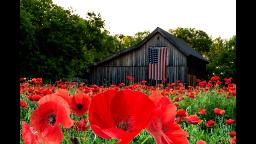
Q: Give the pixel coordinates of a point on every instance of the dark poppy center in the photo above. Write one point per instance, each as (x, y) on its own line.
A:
(51, 119)
(79, 106)
(165, 128)
(123, 125)
(74, 140)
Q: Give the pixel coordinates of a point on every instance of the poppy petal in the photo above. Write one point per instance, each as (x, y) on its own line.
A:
(63, 117)
(63, 93)
(155, 97)
(169, 113)
(120, 114)
(123, 136)
(52, 135)
(28, 136)
(99, 114)
(133, 107)
(39, 116)
(99, 131)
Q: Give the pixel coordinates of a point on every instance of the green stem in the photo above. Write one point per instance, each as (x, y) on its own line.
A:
(145, 139)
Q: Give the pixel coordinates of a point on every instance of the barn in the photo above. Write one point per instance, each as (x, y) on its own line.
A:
(159, 57)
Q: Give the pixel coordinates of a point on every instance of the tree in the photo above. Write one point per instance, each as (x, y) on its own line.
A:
(219, 52)
(128, 41)
(197, 39)
(222, 58)
(55, 43)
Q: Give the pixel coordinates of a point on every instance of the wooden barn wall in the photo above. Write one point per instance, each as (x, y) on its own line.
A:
(135, 63)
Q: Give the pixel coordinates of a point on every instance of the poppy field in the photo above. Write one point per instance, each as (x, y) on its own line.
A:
(168, 113)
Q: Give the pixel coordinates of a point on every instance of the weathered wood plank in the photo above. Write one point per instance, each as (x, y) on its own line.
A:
(135, 63)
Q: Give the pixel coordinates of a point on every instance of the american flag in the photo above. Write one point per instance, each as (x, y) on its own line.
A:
(157, 57)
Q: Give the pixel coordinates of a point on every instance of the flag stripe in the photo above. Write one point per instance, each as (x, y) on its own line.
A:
(162, 63)
(159, 64)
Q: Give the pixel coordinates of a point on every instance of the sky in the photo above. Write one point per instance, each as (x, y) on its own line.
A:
(215, 17)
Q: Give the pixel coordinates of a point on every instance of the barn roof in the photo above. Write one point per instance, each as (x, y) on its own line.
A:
(177, 42)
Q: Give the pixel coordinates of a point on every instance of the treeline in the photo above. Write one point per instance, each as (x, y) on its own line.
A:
(221, 53)
(56, 43)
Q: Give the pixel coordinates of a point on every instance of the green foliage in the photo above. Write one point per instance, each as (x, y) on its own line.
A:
(197, 39)
(219, 52)
(55, 43)
(210, 101)
(219, 132)
(222, 57)
(128, 41)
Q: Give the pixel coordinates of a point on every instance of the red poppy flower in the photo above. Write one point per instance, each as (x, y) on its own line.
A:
(163, 127)
(25, 84)
(202, 84)
(22, 89)
(230, 121)
(181, 112)
(233, 140)
(87, 89)
(34, 97)
(52, 111)
(63, 93)
(232, 133)
(37, 80)
(79, 103)
(227, 80)
(30, 90)
(210, 123)
(165, 92)
(191, 95)
(201, 142)
(113, 86)
(121, 84)
(215, 78)
(28, 134)
(193, 119)
(176, 99)
(143, 82)
(23, 104)
(47, 91)
(173, 84)
(120, 114)
(22, 78)
(63, 86)
(130, 78)
(176, 104)
(202, 111)
(81, 125)
(81, 85)
(209, 85)
(218, 111)
(96, 89)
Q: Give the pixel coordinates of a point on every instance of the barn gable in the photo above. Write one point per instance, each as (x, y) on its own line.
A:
(134, 60)
(180, 44)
